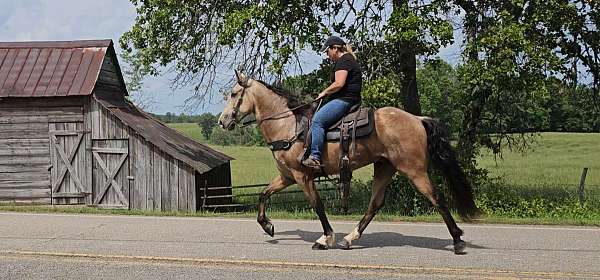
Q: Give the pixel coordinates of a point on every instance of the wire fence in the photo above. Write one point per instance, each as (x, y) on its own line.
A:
(246, 197)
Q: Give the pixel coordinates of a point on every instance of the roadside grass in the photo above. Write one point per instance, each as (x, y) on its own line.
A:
(301, 214)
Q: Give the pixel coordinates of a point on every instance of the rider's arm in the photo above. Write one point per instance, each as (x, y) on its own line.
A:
(340, 81)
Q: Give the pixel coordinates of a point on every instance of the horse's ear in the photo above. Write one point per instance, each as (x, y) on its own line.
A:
(242, 79)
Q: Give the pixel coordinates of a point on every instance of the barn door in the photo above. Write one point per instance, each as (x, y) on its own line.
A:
(68, 159)
(110, 173)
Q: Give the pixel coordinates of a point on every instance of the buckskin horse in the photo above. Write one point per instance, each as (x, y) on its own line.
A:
(400, 142)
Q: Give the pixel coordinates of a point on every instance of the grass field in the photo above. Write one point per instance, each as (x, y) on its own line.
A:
(556, 160)
(190, 129)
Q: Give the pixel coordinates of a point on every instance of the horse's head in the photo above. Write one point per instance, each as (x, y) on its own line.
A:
(240, 102)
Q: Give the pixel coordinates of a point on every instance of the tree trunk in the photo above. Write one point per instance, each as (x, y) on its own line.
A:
(472, 114)
(470, 127)
(408, 89)
(406, 64)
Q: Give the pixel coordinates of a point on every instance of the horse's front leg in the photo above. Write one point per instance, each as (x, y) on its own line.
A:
(279, 183)
(328, 239)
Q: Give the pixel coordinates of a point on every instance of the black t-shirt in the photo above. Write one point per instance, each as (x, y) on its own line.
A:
(353, 85)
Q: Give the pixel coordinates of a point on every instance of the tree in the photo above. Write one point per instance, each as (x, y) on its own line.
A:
(504, 78)
(201, 37)
(206, 122)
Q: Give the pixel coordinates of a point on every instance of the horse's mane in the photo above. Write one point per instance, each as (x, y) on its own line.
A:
(293, 99)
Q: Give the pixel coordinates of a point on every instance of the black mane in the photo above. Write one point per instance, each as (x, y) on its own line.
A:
(293, 99)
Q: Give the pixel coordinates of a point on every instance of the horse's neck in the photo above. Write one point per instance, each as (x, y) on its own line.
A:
(281, 126)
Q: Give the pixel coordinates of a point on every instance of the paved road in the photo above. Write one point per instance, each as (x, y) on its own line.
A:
(61, 246)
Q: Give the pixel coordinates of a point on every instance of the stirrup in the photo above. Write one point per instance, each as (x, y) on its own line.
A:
(312, 163)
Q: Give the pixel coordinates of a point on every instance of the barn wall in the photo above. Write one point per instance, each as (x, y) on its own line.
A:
(25, 144)
(159, 182)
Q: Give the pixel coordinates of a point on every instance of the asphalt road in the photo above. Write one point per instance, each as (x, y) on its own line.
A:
(59, 246)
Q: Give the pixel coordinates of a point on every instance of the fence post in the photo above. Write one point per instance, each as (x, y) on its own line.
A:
(205, 194)
(582, 185)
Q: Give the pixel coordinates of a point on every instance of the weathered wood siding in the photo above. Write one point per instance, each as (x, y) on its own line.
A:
(25, 144)
(158, 181)
(110, 76)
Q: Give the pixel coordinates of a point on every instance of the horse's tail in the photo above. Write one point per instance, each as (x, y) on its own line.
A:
(443, 157)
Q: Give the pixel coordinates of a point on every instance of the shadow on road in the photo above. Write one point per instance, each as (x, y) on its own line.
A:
(374, 240)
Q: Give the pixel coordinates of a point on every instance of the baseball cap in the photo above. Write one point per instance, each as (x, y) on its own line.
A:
(332, 40)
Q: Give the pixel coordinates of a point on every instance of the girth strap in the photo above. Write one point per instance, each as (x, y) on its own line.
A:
(281, 145)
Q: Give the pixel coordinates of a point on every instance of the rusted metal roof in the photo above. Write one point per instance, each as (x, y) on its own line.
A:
(200, 157)
(46, 69)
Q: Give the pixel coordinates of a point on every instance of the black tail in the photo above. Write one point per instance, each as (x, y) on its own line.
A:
(443, 157)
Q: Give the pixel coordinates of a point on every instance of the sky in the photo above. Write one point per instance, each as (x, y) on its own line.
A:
(39, 20)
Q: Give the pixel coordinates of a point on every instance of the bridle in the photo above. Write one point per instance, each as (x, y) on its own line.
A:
(238, 104)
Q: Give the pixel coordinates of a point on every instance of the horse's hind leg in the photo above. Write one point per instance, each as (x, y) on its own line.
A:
(384, 171)
(277, 184)
(423, 184)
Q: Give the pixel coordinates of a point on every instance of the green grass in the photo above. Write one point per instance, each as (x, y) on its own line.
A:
(299, 214)
(557, 159)
(189, 129)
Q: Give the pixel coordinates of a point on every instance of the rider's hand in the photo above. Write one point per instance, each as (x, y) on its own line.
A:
(321, 95)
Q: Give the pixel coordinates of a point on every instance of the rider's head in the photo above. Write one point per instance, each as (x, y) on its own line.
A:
(335, 47)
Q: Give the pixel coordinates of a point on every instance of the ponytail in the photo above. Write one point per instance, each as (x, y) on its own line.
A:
(345, 48)
(349, 50)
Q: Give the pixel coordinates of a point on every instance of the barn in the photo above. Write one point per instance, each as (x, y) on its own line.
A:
(68, 135)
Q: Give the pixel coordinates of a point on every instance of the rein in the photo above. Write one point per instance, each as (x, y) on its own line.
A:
(273, 116)
(270, 117)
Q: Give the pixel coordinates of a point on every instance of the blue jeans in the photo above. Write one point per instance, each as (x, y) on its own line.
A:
(330, 113)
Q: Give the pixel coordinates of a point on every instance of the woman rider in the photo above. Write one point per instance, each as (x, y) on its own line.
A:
(343, 92)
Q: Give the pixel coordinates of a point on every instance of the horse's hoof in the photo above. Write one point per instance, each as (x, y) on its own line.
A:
(269, 229)
(459, 247)
(346, 243)
(318, 246)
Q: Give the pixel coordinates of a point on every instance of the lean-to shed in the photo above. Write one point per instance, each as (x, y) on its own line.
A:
(68, 135)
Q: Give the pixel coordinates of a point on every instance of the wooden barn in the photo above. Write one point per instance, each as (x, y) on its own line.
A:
(68, 135)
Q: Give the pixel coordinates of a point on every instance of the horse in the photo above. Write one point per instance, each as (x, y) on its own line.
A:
(401, 142)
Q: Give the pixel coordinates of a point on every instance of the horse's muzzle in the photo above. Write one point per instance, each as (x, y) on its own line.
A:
(226, 123)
